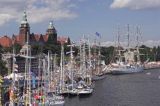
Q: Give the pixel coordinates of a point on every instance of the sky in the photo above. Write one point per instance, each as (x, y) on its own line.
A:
(75, 18)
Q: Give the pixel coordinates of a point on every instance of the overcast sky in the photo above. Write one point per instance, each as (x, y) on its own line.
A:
(74, 18)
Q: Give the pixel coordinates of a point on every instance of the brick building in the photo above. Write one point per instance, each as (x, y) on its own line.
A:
(24, 30)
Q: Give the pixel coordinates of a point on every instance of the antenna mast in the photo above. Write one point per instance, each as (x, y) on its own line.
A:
(128, 35)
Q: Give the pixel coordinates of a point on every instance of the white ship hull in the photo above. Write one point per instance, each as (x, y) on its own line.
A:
(126, 70)
(85, 91)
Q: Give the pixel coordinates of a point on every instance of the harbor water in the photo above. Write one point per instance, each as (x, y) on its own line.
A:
(140, 89)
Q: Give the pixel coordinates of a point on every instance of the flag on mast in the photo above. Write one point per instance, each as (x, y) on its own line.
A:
(98, 34)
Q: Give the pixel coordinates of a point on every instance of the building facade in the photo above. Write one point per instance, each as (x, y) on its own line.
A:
(24, 30)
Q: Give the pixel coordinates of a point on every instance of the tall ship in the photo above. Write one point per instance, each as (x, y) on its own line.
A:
(128, 66)
(127, 60)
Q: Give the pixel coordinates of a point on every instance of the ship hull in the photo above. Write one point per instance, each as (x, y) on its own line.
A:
(129, 70)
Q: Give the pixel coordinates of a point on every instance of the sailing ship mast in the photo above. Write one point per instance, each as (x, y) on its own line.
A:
(128, 36)
(71, 64)
(13, 84)
(119, 49)
(80, 57)
(84, 58)
(99, 54)
(29, 68)
(62, 67)
(90, 63)
(89, 55)
(27, 98)
(48, 71)
(137, 48)
(54, 67)
(39, 74)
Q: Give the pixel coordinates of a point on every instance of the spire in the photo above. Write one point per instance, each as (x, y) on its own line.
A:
(51, 25)
(24, 18)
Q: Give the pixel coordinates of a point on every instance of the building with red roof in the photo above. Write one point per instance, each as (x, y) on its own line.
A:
(24, 32)
(5, 41)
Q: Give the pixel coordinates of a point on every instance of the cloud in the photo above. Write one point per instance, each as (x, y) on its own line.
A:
(152, 43)
(5, 18)
(135, 4)
(37, 10)
(108, 43)
(149, 43)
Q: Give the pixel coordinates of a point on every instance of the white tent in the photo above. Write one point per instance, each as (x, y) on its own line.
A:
(11, 76)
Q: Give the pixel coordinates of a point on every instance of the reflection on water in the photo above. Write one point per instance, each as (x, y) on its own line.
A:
(138, 89)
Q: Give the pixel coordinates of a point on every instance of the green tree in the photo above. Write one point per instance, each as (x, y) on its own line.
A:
(17, 48)
(108, 53)
(36, 49)
(146, 53)
(158, 53)
(1, 81)
(3, 69)
(53, 48)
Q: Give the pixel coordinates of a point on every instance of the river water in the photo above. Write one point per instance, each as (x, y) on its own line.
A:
(140, 89)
